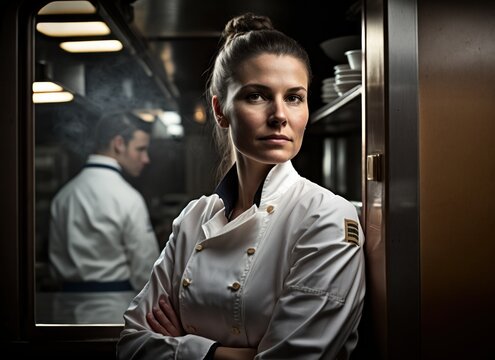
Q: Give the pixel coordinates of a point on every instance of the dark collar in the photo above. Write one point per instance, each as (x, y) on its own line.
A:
(228, 189)
(104, 166)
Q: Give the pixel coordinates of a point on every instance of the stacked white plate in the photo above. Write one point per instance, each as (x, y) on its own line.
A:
(328, 91)
(346, 78)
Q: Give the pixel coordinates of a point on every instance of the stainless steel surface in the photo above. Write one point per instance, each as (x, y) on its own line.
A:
(402, 198)
(374, 164)
(374, 202)
(392, 229)
(185, 34)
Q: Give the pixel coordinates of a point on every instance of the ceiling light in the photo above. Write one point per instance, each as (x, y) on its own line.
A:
(199, 114)
(52, 97)
(170, 118)
(91, 46)
(145, 116)
(67, 7)
(88, 28)
(46, 86)
(175, 130)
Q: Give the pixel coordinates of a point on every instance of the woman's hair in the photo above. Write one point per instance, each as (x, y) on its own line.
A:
(244, 37)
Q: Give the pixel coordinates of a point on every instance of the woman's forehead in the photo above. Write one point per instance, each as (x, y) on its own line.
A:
(269, 65)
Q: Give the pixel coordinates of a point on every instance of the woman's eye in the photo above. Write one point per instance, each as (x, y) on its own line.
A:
(294, 98)
(254, 97)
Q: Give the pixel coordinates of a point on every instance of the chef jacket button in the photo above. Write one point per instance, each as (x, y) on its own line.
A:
(235, 286)
(235, 330)
(270, 208)
(251, 251)
(186, 282)
(199, 247)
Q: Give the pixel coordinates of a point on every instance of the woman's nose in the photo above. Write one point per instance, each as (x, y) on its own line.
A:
(278, 116)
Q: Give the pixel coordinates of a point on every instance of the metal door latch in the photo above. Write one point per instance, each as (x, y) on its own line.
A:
(374, 167)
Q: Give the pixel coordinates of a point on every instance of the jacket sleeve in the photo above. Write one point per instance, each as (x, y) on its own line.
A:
(138, 340)
(319, 309)
(140, 244)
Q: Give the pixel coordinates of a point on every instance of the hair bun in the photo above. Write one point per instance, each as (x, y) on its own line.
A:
(244, 23)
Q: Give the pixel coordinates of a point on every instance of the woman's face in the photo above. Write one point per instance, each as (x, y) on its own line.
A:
(266, 108)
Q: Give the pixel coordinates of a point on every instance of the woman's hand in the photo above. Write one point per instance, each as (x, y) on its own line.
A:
(163, 320)
(228, 353)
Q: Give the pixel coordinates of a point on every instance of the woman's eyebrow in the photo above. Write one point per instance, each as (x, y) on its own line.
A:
(267, 88)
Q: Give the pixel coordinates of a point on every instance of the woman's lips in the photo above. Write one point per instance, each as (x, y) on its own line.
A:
(275, 139)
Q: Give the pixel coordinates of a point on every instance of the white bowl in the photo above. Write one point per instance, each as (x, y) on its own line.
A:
(335, 48)
(354, 57)
(329, 90)
(343, 77)
(332, 93)
(347, 72)
(330, 96)
(329, 80)
(329, 99)
(348, 82)
(342, 67)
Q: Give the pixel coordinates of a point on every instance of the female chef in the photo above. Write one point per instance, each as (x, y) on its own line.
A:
(271, 265)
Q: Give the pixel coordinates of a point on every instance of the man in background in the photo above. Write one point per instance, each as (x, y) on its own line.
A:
(101, 238)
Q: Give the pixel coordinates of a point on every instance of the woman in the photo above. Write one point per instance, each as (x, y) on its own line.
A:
(271, 265)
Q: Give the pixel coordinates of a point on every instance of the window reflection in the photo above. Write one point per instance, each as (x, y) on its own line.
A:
(99, 83)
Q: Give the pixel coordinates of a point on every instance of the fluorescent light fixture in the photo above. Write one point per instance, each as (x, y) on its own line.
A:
(87, 28)
(52, 97)
(67, 7)
(46, 86)
(91, 46)
(175, 130)
(170, 118)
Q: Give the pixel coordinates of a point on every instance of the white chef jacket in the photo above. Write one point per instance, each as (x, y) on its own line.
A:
(100, 228)
(285, 277)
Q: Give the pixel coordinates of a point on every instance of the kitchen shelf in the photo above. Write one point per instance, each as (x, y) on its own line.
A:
(341, 115)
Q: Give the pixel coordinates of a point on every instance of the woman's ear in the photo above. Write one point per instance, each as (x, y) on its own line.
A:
(217, 110)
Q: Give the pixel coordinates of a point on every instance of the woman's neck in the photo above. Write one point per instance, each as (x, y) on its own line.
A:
(250, 176)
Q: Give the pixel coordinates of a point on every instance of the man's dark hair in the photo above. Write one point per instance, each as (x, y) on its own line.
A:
(118, 123)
